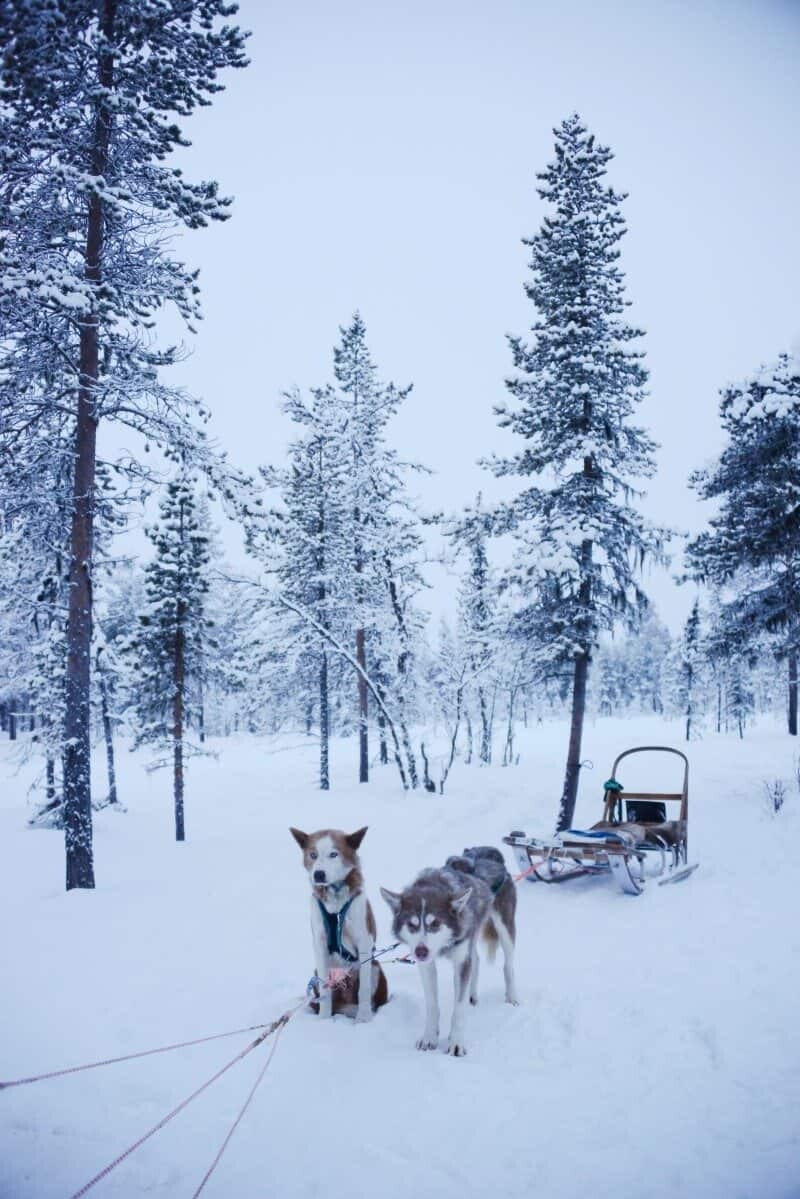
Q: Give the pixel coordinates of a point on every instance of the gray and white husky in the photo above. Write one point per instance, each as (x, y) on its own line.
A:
(442, 914)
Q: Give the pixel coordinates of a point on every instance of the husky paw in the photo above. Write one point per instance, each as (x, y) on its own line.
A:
(473, 1000)
(456, 1049)
(363, 1017)
(513, 1000)
(425, 1043)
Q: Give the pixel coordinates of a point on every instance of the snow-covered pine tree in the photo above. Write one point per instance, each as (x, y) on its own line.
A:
(231, 677)
(398, 625)
(169, 645)
(347, 548)
(687, 673)
(310, 532)
(645, 658)
(35, 503)
(740, 699)
(608, 690)
(368, 404)
(478, 625)
(89, 92)
(752, 547)
(579, 540)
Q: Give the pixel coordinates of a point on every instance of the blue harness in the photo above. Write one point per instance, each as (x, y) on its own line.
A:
(334, 926)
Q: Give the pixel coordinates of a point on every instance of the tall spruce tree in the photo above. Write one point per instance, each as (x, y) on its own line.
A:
(367, 405)
(311, 533)
(90, 89)
(576, 385)
(752, 547)
(687, 671)
(348, 548)
(170, 644)
(477, 612)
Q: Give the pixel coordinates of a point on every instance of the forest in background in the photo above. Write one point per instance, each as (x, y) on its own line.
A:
(329, 633)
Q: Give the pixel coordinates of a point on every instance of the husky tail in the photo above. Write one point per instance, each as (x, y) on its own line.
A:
(490, 938)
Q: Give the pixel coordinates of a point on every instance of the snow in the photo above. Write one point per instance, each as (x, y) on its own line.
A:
(655, 1053)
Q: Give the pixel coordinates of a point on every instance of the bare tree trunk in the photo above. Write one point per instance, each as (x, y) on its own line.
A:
(410, 755)
(324, 723)
(108, 736)
(3, 718)
(384, 748)
(793, 695)
(331, 640)
(427, 780)
(454, 737)
(485, 752)
(50, 780)
(508, 749)
(77, 765)
(77, 773)
(363, 712)
(179, 680)
(570, 793)
(689, 704)
(201, 706)
(12, 723)
(468, 755)
(403, 659)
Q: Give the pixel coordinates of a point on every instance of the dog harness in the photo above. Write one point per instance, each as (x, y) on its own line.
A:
(472, 857)
(334, 926)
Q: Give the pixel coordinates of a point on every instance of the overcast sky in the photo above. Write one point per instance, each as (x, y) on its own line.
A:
(383, 156)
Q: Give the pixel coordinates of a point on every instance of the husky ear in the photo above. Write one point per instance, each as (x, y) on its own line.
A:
(460, 903)
(392, 898)
(355, 839)
(300, 838)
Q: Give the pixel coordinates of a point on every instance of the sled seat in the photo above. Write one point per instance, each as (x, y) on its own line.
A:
(632, 832)
(596, 833)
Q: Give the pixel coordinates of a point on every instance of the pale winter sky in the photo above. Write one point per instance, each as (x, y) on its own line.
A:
(383, 156)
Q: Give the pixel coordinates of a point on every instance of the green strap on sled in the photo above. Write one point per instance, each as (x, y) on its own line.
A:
(612, 785)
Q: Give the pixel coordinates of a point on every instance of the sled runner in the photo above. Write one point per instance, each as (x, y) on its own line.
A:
(634, 840)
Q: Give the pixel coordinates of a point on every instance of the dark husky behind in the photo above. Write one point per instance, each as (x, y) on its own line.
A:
(488, 864)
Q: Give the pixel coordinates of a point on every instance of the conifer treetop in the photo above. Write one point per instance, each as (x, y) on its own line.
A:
(580, 378)
(577, 381)
(753, 540)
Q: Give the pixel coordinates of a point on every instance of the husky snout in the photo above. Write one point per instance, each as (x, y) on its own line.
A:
(319, 876)
(421, 952)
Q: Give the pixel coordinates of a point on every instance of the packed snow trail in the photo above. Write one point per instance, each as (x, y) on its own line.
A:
(655, 1053)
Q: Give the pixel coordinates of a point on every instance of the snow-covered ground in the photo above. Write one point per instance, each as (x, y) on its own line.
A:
(656, 1052)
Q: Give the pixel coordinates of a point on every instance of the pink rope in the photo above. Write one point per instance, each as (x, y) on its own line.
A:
(276, 1024)
(275, 1027)
(127, 1057)
(236, 1122)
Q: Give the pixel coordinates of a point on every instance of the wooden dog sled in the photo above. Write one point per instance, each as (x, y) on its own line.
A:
(634, 840)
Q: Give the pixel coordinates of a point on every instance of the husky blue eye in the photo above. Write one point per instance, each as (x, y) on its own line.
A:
(333, 854)
(313, 855)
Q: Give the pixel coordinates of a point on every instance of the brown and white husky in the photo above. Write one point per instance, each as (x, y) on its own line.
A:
(342, 924)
